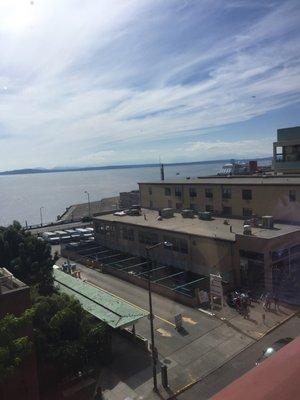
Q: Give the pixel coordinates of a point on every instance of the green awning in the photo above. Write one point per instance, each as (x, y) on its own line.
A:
(108, 308)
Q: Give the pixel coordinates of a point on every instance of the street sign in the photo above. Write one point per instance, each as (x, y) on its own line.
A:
(216, 288)
(203, 296)
(178, 321)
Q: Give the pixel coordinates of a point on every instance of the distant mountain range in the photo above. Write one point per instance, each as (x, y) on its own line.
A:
(41, 170)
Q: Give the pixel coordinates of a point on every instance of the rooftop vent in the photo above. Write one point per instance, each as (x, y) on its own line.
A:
(247, 230)
(268, 222)
(187, 213)
(204, 215)
(167, 213)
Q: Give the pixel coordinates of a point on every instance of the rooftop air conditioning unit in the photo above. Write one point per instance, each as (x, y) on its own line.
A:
(204, 215)
(167, 213)
(267, 222)
(187, 213)
(247, 230)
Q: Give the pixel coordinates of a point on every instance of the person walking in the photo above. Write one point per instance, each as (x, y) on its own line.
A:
(268, 302)
(99, 394)
(275, 299)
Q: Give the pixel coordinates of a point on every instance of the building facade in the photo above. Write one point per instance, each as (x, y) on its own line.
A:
(15, 299)
(231, 196)
(286, 151)
(258, 260)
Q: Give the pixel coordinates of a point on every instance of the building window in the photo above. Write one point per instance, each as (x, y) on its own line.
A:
(151, 204)
(292, 195)
(193, 192)
(179, 245)
(252, 255)
(209, 208)
(183, 246)
(247, 212)
(177, 192)
(282, 253)
(209, 193)
(226, 193)
(148, 238)
(246, 194)
(167, 191)
(150, 190)
(128, 234)
(227, 211)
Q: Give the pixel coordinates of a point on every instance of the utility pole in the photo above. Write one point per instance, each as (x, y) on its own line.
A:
(41, 215)
(151, 315)
(89, 203)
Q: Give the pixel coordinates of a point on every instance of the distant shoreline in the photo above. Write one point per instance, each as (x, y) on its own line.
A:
(78, 169)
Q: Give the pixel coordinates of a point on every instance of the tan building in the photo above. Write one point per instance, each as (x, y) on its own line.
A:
(258, 259)
(230, 196)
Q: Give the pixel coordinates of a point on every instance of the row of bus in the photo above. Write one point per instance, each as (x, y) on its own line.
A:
(68, 235)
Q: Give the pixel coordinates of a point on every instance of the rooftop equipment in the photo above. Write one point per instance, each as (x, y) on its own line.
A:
(167, 213)
(247, 230)
(204, 215)
(187, 213)
(268, 222)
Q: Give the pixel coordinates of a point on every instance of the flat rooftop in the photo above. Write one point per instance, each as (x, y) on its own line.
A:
(230, 180)
(194, 226)
(9, 283)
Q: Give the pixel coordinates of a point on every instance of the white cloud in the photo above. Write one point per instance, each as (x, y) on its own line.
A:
(77, 77)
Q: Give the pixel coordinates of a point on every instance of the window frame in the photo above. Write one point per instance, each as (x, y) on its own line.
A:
(247, 194)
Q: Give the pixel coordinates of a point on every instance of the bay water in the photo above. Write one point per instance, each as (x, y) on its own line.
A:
(21, 196)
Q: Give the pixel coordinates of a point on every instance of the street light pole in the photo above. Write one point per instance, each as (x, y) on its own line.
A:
(41, 215)
(151, 316)
(88, 196)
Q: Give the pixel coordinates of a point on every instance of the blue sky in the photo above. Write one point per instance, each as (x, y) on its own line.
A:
(113, 82)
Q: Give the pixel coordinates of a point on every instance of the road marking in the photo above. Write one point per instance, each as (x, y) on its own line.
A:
(189, 320)
(164, 332)
(132, 304)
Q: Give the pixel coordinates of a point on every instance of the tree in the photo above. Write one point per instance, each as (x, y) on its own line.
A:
(66, 336)
(13, 347)
(28, 258)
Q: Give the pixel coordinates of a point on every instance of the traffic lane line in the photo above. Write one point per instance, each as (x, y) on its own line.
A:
(132, 304)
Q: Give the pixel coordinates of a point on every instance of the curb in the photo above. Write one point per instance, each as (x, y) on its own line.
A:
(277, 325)
(192, 383)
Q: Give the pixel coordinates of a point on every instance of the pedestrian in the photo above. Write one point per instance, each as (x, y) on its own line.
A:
(275, 299)
(264, 318)
(99, 394)
(238, 304)
(267, 302)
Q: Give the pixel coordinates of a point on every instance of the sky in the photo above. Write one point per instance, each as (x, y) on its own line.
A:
(88, 83)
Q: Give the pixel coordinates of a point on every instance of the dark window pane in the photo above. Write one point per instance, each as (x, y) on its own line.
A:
(247, 194)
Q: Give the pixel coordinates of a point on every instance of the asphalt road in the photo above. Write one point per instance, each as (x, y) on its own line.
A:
(240, 364)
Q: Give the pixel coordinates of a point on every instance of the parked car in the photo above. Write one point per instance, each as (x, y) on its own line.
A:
(269, 351)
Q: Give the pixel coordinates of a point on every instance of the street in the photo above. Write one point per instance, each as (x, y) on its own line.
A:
(240, 364)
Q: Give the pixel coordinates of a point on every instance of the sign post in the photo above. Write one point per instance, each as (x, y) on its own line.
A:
(216, 289)
(178, 321)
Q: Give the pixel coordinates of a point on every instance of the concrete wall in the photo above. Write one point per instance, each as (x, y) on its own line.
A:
(266, 199)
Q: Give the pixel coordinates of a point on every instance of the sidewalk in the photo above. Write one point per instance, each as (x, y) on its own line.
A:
(256, 326)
